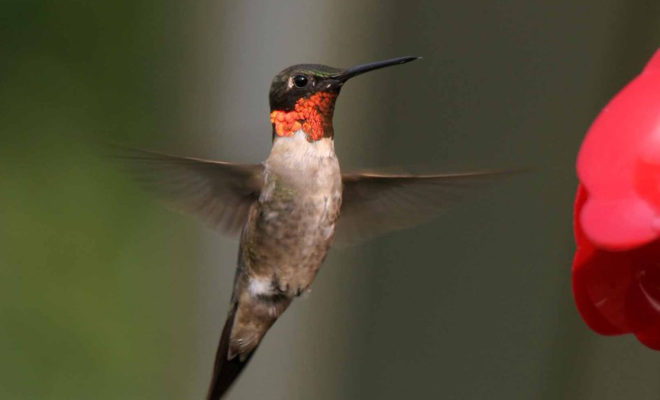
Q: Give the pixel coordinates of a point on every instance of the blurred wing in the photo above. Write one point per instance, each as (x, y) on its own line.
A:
(219, 193)
(374, 204)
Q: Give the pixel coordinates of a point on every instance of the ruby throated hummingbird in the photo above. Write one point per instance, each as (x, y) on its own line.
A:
(289, 208)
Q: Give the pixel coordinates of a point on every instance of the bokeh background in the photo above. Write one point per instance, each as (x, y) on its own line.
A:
(106, 295)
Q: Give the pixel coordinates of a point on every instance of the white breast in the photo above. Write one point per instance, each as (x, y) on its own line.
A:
(310, 166)
(297, 150)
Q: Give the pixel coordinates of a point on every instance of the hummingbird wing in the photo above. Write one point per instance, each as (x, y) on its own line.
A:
(219, 193)
(375, 203)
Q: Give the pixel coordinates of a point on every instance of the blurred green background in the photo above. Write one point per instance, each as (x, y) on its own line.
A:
(106, 295)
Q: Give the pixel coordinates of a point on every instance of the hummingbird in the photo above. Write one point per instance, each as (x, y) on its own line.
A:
(288, 209)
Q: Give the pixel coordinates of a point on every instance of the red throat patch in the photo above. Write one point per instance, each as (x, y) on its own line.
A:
(312, 114)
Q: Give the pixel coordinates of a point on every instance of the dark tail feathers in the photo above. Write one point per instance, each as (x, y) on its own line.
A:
(225, 371)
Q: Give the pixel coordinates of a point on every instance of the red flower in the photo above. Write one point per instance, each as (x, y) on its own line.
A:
(616, 270)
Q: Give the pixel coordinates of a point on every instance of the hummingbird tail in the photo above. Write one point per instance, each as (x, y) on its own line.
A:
(249, 319)
(225, 370)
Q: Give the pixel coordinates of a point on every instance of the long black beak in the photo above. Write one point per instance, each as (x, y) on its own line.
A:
(361, 69)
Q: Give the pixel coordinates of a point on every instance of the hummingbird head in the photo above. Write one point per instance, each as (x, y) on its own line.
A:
(302, 97)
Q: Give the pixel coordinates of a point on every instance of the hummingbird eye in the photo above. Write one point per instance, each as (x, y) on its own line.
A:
(300, 81)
